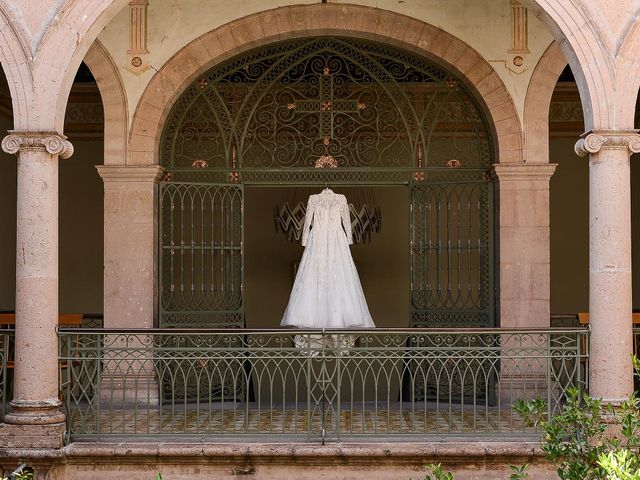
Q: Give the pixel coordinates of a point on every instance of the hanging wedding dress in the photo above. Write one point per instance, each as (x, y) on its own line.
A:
(327, 291)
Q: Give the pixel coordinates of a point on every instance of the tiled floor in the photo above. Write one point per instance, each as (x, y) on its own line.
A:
(295, 420)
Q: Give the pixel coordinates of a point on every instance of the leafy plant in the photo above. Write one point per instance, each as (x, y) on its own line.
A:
(23, 472)
(519, 473)
(579, 437)
(435, 472)
(620, 465)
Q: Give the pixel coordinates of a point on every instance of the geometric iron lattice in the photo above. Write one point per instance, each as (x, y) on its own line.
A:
(283, 106)
(201, 262)
(387, 116)
(451, 255)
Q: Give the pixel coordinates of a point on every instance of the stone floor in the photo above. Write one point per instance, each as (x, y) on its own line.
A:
(250, 419)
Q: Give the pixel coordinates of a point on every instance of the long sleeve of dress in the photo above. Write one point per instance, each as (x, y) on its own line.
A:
(308, 217)
(345, 216)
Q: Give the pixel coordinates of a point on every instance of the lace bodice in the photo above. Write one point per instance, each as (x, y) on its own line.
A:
(327, 212)
(327, 292)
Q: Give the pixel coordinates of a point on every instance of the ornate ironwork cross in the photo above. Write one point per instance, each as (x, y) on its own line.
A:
(327, 106)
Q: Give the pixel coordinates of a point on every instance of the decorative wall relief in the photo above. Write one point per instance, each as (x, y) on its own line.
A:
(138, 55)
(519, 29)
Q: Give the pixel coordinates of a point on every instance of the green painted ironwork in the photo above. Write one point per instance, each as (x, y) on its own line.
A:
(636, 351)
(332, 386)
(451, 255)
(201, 255)
(387, 116)
(285, 105)
(7, 346)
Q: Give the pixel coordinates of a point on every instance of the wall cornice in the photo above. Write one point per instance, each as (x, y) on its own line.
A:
(131, 173)
(519, 172)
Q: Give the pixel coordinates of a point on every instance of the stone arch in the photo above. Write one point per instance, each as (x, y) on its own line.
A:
(537, 103)
(322, 19)
(573, 23)
(114, 101)
(578, 30)
(15, 59)
(628, 75)
(72, 28)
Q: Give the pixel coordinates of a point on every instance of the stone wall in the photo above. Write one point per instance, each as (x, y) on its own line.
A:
(485, 25)
(477, 460)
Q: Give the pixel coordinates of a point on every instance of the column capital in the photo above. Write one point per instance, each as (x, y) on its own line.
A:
(524, 172)
(51, 142)
(130, 173)
(594, 140)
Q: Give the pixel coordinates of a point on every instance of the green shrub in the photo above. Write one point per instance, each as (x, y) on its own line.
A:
(579, 437)
(435, 472)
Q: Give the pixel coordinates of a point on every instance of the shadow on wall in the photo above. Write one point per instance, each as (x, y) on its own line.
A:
(383, 264)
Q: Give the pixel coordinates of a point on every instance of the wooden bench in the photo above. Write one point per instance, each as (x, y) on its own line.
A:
(64, 319)
(583, 318)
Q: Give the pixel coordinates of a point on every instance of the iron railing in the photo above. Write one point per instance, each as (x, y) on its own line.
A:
(319, 385)
(636, 351)
(7, 340)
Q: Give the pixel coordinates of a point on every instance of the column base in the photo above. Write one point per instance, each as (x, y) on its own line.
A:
(35, 412)
(119, 391)
(32, 436)
(528, 386)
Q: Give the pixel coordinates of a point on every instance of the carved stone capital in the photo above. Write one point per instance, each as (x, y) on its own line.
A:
(595, 140)
(50, 142)
(524, 172)
(130, 173)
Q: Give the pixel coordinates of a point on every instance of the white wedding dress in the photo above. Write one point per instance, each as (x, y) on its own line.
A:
(327, 291)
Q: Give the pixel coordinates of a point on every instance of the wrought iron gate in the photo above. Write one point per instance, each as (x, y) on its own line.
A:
(451, 254)
(201, 268)
(385, 116)
(201, 255)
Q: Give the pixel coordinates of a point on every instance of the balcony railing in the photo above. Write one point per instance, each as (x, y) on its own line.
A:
(7, 337)
(317, 385)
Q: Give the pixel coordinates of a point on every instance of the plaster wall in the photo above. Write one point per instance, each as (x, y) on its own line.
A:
(570, 229)
(81, 217)
(8, 173)
(296, 471)
(484, 24)
(80, 229)
(383, 264)
(569, 213)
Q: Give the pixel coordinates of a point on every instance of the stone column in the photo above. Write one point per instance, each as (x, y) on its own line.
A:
(524, 253)
(130, 279)
(130, 245)
(35, 396)
(524, 248)
(610, 302)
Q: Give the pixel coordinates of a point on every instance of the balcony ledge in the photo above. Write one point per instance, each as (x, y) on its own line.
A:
(467, 451)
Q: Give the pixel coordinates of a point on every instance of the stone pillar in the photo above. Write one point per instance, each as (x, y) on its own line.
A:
(35, 396)
(610, 302)
(524, 253)
(130, 279)
(524, 249)
(130, 245)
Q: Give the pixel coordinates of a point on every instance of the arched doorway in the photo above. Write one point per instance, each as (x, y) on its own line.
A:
(384, 116)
